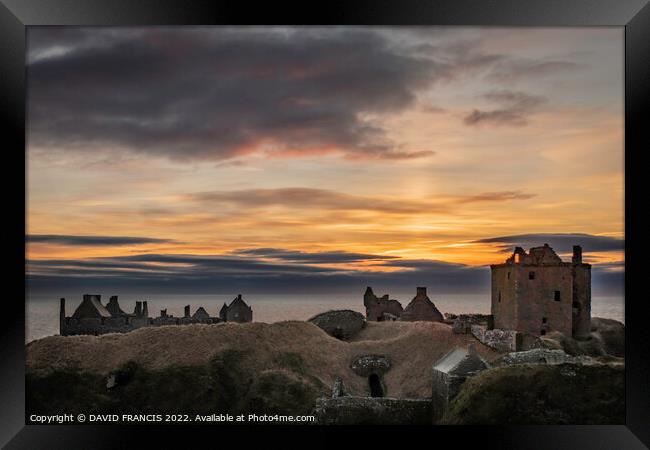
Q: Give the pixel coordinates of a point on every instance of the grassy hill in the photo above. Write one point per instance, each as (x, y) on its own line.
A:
(281, 367)
(542, 394)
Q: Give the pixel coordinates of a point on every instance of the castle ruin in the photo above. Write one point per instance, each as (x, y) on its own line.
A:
(421, 308)
(537, 292)
(91, 317)
(380, 308)
(237, 311)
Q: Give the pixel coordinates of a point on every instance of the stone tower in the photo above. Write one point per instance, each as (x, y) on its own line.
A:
(537, 292)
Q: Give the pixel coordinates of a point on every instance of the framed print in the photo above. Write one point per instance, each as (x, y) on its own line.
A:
(304, 220)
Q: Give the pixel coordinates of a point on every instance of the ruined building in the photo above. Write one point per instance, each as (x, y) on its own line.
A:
(450, 372)
(537, 292)
(383, 309)
(422, 308)
(237, 311)
(380, 308)
(91, 317)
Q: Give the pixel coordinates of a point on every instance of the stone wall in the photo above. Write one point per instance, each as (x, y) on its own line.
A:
(445, 387)
(380, 308)
(540, 356)
(581, 304)
(501, 340)
(535, 305)
(350, 410)
(462, 324)
(366, 365)
(94, 326)
(422, 308)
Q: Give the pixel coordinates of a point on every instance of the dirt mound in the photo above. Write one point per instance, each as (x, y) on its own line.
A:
(412, 348)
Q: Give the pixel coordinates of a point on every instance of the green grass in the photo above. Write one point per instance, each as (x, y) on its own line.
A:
(541, 394)
(227, 384)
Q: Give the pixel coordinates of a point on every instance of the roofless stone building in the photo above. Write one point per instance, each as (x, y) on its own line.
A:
(537, 292)
(383, 308)
(91, 317)
(237, 311)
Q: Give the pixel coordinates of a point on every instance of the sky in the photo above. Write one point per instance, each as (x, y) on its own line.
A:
(307, 159)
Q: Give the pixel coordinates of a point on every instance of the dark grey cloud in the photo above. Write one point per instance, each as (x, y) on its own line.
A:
(292, 272)
(162, 265)
(514, 109)
(219, 93)
(62, 239)
(197, 273)
(211, 93)
(561, 242)
(332, 257)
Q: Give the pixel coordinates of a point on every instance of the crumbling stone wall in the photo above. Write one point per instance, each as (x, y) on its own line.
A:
(73, 326)
(444, 388)
(540, 356)
(501, 340)
(238, 311)
(581, 304)
(380, 308)
(93, 318)
(422, 308)
(462, 324)
(366, 365)
(352, 410)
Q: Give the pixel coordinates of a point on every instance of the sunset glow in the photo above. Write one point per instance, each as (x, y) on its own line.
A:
(401, 146)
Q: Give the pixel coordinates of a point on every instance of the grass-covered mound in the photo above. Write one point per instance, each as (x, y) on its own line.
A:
(228, 383)
(542, 394)
(280, 349)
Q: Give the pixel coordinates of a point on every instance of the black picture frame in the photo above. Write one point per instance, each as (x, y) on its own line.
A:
(633, 15)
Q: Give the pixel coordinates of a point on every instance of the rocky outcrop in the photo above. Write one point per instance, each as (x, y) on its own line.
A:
(341, 324)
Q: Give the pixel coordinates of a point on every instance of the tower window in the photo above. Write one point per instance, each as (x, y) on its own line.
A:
(508, 275)
(531, 275)
(544, 320)
(556, 297)
(542, 332)
(499, 296)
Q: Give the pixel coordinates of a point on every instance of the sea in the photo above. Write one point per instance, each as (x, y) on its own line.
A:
(42, 311)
